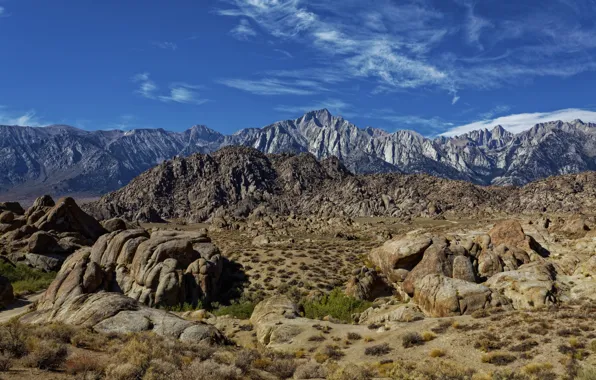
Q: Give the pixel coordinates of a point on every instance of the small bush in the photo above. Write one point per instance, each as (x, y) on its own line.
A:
(46, 355)
(437, 353)
(539, 370)
(160, 370)
(480, 313)
(335, 304)
(245, 358)
(351, 372)
(427, 336)
(310, 370)
(411, 339)
(316, 338)
(498, 358)
(354, 336)
(58, 332)
(284, 368)
(5, 363)
(210, 369)
(12, 340)
(378, 350)
(586, 373)
(240, 310)
(84, 365)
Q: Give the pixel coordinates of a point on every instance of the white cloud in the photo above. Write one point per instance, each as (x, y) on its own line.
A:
(413, 45)
(273, 86)
(25, 119)
(243, 31)
(521, 122)
(286, 53)
(166, 45)
(180, 92)
(2, 11)
(497, 110)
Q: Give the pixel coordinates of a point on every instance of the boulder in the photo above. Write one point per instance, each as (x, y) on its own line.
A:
(6, 217)
(161, 269)
(6, 294)
(148, 214)
(400, 253)
(531, 285)
(46, 263)
(260, 241)
(115, 313)
(114, 224)
(14, 207)
(463, 269)
(42, 242)
(436, 260)
(66, 216)
(441, 296)
(391, 313)
(267, 317)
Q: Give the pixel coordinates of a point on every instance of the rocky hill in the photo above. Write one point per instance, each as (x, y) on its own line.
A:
(66, 160)
(241, 182)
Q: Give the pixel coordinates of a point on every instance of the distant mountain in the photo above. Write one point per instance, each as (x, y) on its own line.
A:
(61, 159)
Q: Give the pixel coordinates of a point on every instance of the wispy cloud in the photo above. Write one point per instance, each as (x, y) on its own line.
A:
(274, 86)
(26, 119)
(430, 126)
(497, 110)
(179, 92)
(166, 45)
(411, 44)
(243, 31)
(285, 53)
(3, 12)
(520, 122)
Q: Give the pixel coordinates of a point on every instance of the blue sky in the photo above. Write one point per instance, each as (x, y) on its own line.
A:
(443, 66)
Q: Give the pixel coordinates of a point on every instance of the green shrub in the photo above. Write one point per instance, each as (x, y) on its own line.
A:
(335, 304)
(24, 279)
(240, 310)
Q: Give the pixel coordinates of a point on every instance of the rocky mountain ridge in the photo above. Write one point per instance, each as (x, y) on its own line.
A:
(61, 159)
(243, 182)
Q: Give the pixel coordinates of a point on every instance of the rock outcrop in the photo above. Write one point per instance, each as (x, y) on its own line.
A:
(47, 233)
(160, 269)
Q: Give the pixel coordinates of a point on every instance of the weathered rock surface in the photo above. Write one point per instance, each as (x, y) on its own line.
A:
(367, 284)
(115, 313)
(441, 296)
(47, 232)
(6, 294)
(165, 268)
(266, 319)
(391, 313)
(531, 285)
(399, 253)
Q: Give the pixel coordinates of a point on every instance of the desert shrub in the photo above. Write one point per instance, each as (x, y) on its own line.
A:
(335, 304)
(210, 369)
(411, 339)
(160, 370)
(58, 332)
(24, 279)
(378, 350)
(480, 313)
(332, 352)
(90, 340)
(245, 358)
(5, 363)
(539, 370)
(488, 342)
(351, 372)
(316, 338)
(46, 355)
(498, 358)
(12, 340)
(437, 353)
(310, 370)
(124, 371)
(240, 309)
(84, 366)
(427, 336)
(586, 373)
(354, 336)
(282, 368)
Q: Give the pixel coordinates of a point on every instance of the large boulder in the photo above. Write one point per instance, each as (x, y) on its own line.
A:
(66, 216)
(529, 286)
(402, 253)
(115, 313)
(14, 207)
(267, 319)
(391, 313)
(436, 260)
(114, 224)
(6, 294)
(441, 296)
(159, 269)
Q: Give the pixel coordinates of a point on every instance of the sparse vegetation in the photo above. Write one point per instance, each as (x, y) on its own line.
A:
(335, 304)
(498, 358)
(24, 279)
(412, 339)
(378, 350)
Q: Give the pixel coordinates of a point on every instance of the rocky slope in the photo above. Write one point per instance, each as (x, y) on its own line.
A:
(62, 159)
(242, 182)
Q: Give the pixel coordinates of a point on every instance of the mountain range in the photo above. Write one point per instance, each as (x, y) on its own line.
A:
(65, 160)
